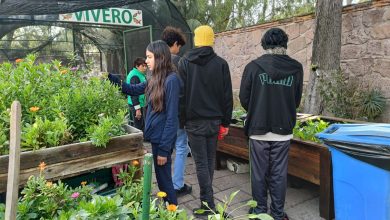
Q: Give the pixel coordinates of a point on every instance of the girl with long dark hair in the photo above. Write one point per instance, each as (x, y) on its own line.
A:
(161, 122)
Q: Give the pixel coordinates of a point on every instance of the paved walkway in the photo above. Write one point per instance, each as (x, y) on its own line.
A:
(301, 203)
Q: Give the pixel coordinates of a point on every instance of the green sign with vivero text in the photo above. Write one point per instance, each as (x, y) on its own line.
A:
(107, 16)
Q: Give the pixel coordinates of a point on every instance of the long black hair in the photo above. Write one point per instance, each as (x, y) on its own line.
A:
(162, 67)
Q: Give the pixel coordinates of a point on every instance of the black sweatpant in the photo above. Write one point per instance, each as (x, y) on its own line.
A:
(202, 136)
(268, 162)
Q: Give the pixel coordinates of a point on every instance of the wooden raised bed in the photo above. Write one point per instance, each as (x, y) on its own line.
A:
(74, 159)
(307, 160)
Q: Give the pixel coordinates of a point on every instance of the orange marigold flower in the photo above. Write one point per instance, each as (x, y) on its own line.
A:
(49, 184)
(161, 194)
(34, 109)
(18, 60)
(42, 166)
(172, 208)
(135, 163)
(84, 183)
(64, 71)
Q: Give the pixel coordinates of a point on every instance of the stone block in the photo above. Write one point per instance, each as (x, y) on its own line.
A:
(306, 26)
(386, 15)
(240, 197)
(301, 57)
(382, 66)
(351, 51)
(356, 36)
(386, 45)
(292, 31)
(357, 19)
(309, 36)
(347, 23)
(381, 31)
(375, 48)
(296, 45)
(372, 17)
(231, 181)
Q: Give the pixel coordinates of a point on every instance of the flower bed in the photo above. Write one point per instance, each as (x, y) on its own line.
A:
(72, 123)
(58, 106)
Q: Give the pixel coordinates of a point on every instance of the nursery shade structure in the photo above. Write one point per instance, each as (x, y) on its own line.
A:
(108, 40)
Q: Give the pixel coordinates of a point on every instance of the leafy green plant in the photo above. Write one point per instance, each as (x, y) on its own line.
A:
(2, 211)
(237, 114)
(59, 106)
(222, 211)
(373, 104)
(348, 98)
(132, 189)
(45, 133)
(307, 130)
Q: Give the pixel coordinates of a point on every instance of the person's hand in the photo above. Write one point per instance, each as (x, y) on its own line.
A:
(138, 114)
(161, 160)
(226, 131)
(223, 131)
(114, 79)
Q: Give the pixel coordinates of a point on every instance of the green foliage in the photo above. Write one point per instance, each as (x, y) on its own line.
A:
(306, 131)
(42, 199)
(132, 188)
(44, 133)
(347, 98)
(224, 15)
(223, 211)
(58, 105)
(46, 200)
(2, 211)
(237, 114)
(373, 104)
(106, 128)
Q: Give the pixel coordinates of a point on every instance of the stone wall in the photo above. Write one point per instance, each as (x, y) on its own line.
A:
(365, 51)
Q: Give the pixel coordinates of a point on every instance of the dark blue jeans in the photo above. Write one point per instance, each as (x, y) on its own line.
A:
(164, 176)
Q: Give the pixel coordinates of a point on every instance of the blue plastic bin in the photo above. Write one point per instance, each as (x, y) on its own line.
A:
(361, 170)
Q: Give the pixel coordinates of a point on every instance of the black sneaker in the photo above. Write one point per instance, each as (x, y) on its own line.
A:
(186, 189)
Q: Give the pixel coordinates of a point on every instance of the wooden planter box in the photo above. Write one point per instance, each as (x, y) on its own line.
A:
(307, 160)
(74, 159)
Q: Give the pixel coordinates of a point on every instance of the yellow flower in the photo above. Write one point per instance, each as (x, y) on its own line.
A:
(64, 71)
(172, 208)
(135, 163)
(42, 166)
(161, 194)
(18, 60)
(34, 109)
(84, 183)
(49, 184)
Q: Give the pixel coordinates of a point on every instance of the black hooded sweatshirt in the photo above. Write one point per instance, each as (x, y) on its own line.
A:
(270, 91)
(207, 92)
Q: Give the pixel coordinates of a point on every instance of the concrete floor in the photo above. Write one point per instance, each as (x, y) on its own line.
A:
(301, 203)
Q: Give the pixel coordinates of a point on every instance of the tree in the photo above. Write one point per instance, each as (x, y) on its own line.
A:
(224, 15)
(326, 52)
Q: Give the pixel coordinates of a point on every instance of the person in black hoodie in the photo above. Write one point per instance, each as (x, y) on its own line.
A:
(270, 92)
(207, 107)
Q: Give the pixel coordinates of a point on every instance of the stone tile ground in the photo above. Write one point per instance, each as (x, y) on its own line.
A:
(301, 203)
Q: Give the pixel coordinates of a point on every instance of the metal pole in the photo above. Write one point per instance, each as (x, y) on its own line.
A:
(147, 185)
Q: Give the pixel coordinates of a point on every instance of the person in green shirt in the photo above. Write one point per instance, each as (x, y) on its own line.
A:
(137, 103)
